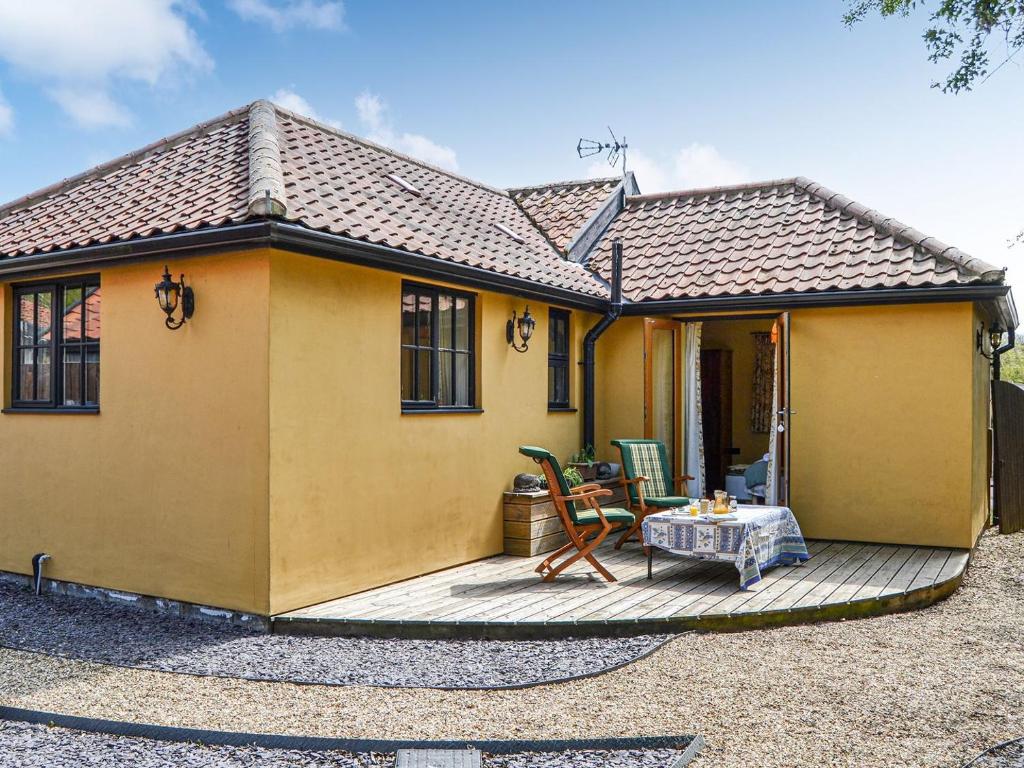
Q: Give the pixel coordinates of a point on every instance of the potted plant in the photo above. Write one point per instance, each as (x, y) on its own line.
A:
(572, 475)
(583, 462)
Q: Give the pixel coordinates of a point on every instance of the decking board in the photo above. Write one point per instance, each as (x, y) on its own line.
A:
(505, 592)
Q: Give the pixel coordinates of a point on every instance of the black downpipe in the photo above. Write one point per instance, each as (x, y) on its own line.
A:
(590, 342)
(1011, 339)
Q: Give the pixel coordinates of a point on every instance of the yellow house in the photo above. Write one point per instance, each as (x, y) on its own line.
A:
(335, 397)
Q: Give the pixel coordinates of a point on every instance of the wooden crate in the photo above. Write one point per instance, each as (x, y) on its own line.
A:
(532, 526)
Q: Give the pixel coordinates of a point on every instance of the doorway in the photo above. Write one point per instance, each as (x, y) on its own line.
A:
(744, 406)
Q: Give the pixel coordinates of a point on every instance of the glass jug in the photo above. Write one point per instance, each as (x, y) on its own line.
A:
(721, 503)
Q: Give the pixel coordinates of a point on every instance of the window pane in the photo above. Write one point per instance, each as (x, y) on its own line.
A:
(408, 318)
(25, 375)
(27, 318)
(44, 318)
(462, 374)
(558, 333)
(92, 313)
(43, 373)
(423, 375)
(562, 386)
(446, 310)
(92, 377)
(73, 314)
(445, 385)
(424, 327)
(552, 398)
(72, 375)
(462, 323)
(408, 374)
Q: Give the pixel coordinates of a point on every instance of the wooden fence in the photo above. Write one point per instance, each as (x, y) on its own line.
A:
(1008, 422)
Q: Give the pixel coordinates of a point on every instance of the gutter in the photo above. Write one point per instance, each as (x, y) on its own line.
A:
(590, 342)
(978, 292)
(291, 237)
(294, 237)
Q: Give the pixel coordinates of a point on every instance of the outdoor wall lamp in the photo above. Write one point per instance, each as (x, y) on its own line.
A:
(525, 325)
(168, 294)
(995, 337)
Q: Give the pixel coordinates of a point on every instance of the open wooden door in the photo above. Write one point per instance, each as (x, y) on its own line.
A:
(663, 386)
(779, 490)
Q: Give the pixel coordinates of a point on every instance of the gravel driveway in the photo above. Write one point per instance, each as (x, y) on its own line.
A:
(81, 628)
(931, 689)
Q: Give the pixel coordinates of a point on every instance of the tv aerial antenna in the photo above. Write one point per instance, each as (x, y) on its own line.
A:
(614, 148)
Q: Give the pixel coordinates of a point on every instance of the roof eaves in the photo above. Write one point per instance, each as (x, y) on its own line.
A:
(967, 263)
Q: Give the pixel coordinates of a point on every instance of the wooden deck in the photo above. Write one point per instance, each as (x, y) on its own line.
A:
(502, 597)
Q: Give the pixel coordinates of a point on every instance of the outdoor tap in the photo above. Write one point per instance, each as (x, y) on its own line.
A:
(37, 570)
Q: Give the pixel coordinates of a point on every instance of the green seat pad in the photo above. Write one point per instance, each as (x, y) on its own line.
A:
(612, 514)
(666, 501)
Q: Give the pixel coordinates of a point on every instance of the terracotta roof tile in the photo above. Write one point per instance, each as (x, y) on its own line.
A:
(774, 237)
(561, 209)
(783, 236)
(185, 182)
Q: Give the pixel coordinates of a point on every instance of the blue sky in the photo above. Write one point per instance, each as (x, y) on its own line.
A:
(706, 93)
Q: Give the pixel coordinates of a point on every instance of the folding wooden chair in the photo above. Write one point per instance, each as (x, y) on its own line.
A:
(649, 482)
(586, 527)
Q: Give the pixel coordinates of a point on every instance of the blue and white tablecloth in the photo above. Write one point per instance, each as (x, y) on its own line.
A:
(758, 538)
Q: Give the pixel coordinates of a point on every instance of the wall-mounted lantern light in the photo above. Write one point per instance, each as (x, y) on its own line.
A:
(169, 293)
(525, 326)
(995, 337)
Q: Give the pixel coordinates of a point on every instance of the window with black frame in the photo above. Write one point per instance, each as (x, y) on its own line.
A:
(438, 361)
(57, 345)
(558, 358)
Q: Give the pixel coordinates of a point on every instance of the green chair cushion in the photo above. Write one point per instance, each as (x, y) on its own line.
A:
(666, 501)
(612, 515)
(647, 458)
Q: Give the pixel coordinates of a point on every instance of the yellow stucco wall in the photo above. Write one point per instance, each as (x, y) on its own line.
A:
(619, 385)
(890, 426)
(882, 435)
(981, 437)
(165, 491)
(361, 494)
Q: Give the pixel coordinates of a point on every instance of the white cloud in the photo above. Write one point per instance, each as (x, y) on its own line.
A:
(373, 115)
(78, 49)
(91, 108)
(6, 116)
(280, 16)
(700, 165)
(292, 101)
(696, 165)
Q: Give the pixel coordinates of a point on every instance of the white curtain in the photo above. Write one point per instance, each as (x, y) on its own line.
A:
(694, 450)
(772, 484)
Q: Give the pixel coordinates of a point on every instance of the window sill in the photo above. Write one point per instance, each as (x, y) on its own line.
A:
(560, 409)
(418, 411)
(90, 411)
